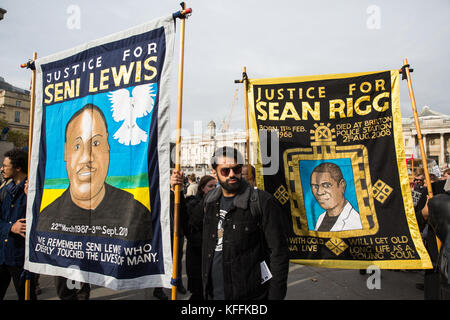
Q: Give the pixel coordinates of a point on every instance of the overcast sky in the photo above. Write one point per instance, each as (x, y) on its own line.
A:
(271, 38)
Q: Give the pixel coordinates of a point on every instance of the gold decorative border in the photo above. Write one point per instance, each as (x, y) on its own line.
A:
(424, 261)
(361, 174)
(403, 173)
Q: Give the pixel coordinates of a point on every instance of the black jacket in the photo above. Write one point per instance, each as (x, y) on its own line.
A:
(245, 246)
(192, 220)
(437, 282)
(439, 214)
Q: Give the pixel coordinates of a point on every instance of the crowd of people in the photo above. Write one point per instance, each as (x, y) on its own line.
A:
(236, 246)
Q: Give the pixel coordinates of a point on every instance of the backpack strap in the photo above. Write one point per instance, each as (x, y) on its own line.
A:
(257, 214)
(255, 207)
(254, 204)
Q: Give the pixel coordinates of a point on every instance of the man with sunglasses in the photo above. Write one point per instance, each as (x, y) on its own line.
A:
(239, 247)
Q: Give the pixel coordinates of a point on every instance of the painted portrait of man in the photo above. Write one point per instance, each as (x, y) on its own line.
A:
(328, 187)
(89, 200)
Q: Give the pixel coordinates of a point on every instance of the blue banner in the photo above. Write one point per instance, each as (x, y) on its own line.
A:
(98, 208)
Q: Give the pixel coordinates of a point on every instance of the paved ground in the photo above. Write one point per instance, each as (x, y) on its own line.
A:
(308, 283)
(304, 283)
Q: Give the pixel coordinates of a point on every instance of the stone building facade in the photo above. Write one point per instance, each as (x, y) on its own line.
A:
(435, 129)
(15, 106)
(196, 150)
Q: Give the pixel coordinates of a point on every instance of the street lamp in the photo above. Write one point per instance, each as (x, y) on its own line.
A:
(2, 13)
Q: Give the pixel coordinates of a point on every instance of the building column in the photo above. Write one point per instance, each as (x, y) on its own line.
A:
(424, 140)
(442, 152)
(415, 150)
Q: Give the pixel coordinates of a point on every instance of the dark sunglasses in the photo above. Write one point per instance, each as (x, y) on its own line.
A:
(226, 171)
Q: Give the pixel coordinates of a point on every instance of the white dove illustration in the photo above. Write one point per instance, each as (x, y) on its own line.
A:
(128, 108)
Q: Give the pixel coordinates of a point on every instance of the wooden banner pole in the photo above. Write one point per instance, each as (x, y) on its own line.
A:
(244, 81)
(247, 127)
(419, 133)
(32, 105)
(419, 136)
(177, 190)
(30, 65)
